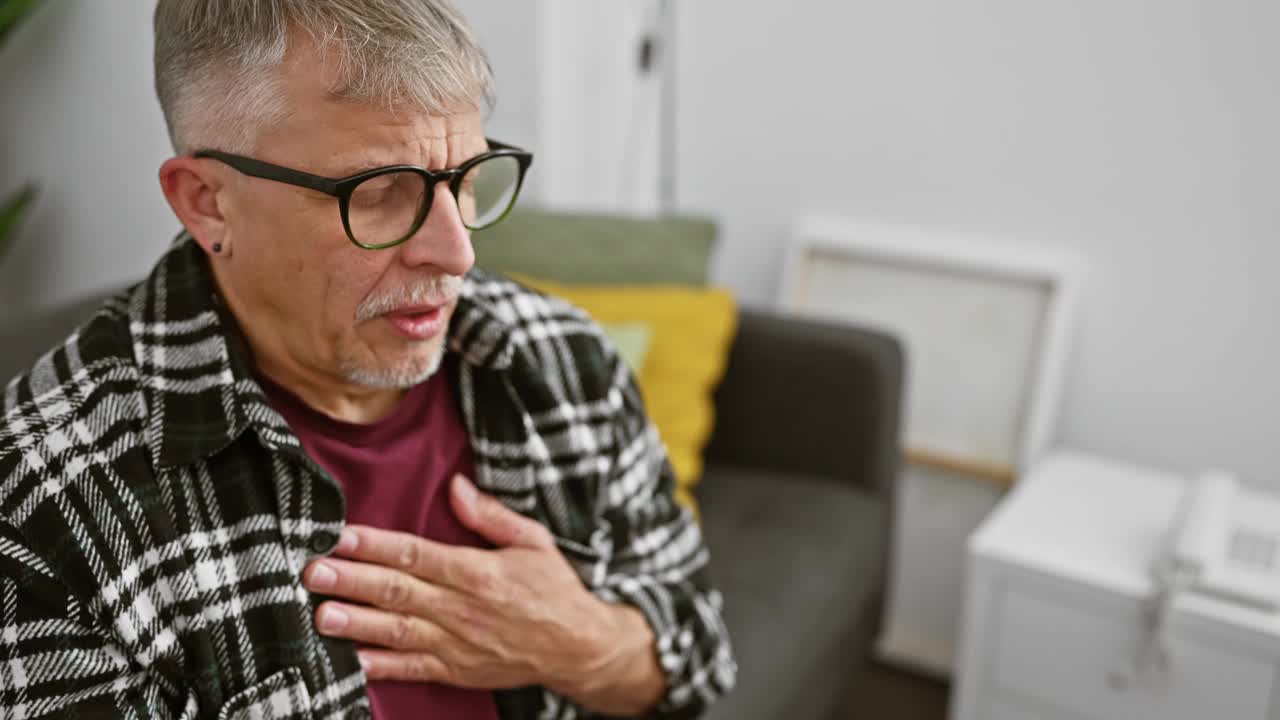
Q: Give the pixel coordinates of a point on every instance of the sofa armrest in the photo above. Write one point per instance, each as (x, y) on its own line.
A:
(811, 397)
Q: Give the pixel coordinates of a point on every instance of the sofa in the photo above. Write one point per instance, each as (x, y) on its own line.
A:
(797, 503)
(796, 499)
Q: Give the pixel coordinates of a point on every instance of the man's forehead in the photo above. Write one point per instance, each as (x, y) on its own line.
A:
(434, 142)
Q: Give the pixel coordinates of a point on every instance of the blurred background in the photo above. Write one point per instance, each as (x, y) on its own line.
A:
(1137, 138)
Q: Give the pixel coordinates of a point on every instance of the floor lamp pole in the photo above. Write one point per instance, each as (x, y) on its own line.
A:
(667, 118)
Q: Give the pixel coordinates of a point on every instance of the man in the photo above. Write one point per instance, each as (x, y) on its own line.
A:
(248, 486)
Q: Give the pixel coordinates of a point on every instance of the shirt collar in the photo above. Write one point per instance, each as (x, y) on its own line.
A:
(196, 369)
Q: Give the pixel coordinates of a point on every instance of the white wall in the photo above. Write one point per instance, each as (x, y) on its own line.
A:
(508, 33)
(79, 116)
(580, 103)
(1141, 135)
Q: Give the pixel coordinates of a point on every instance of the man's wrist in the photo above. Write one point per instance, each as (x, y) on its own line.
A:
(621, 675)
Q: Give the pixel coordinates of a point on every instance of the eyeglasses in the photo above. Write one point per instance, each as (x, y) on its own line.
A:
(383, 207)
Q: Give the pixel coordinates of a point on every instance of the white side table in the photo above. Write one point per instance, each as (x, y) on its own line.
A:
(1057, 584)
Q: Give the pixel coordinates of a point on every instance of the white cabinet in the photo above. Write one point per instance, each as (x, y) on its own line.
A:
(1056, 598)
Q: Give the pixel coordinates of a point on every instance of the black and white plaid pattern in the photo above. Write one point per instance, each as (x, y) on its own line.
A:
(156, 513)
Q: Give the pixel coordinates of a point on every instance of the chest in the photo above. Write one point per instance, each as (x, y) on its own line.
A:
(215, 602)
(394, 473)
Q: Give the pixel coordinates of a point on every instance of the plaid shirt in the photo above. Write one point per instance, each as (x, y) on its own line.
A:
(156, 513)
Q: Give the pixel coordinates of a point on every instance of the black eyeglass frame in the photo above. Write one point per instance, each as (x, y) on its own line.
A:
(341, 188)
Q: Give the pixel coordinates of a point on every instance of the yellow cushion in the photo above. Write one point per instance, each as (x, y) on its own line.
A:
(692, 330)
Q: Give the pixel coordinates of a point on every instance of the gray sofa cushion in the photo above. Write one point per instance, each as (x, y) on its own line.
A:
(24, 340)
(800, 561)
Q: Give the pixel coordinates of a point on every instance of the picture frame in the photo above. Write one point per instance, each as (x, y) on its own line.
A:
(985, 323)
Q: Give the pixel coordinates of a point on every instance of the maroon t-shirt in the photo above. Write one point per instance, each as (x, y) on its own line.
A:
(396, 474)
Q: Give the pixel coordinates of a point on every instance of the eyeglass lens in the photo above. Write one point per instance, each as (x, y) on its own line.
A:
(387, 208)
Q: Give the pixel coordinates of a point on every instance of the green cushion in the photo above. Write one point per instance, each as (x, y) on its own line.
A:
(632, 341)
(598, 249)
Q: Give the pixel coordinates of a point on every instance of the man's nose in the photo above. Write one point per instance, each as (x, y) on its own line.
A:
(443, 241)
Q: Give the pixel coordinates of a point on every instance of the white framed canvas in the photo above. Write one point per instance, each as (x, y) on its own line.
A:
(985, 325)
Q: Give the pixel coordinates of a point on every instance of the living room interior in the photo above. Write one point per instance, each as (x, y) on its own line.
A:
(951, 315)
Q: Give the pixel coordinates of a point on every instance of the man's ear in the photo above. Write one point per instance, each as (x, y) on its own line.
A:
(191, 186)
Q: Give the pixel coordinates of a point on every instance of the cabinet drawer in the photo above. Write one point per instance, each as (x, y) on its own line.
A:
(1077, 656)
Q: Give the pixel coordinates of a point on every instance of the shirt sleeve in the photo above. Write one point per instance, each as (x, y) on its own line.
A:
(660, 561)
(53, 664)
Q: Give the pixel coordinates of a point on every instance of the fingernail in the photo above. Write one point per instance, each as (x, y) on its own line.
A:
(332, 619)
(323, 577)
(466, 491)
(347, 541)
(364, 662)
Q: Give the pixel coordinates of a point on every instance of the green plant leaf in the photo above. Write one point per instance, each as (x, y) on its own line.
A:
(11, 214)
(12, 12)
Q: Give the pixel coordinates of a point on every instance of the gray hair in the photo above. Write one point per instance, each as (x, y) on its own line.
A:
(217, 61)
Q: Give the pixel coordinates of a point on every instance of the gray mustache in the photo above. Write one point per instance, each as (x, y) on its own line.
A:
(439, 290)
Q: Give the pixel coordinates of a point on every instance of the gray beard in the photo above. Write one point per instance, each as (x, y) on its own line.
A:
(396, 378)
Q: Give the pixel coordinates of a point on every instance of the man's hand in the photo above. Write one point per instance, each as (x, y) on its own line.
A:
(510, 617)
